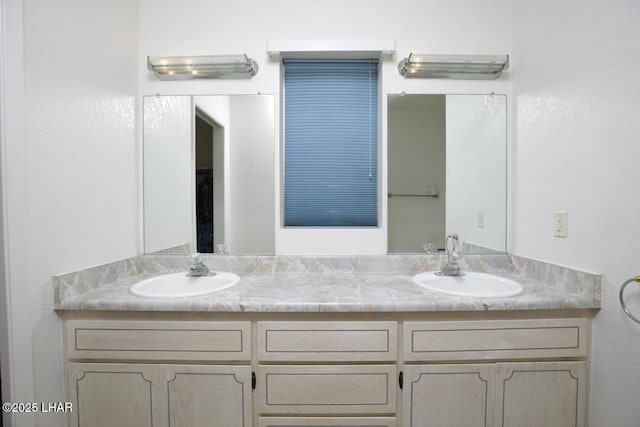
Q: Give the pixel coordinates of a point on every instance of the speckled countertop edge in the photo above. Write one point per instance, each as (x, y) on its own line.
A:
(327, 284)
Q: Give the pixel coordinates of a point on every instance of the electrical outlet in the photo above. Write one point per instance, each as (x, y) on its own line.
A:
(560, 224)
(480, 219)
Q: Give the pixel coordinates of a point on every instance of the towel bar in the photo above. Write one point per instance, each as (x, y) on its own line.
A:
(624, 306)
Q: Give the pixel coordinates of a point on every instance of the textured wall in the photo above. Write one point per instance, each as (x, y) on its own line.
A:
(577, 94)
(80, 156)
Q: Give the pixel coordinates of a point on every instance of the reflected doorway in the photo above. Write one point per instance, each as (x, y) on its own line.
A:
(209, 179)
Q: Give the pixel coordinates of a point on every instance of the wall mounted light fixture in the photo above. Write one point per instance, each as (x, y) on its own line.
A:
(202, 67)
(472, 67)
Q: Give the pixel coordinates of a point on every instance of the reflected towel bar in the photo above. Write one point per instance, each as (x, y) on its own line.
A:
(390, 195)
(624, 306)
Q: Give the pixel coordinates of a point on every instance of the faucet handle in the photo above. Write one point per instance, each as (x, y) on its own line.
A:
(454, 239)
(196, 258)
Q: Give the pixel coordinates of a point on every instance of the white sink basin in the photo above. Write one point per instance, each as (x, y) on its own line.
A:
(179, 285)
(470, 285)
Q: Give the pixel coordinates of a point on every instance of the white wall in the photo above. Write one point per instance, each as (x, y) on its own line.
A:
(70, 167)
(577, 94)
(204, 27)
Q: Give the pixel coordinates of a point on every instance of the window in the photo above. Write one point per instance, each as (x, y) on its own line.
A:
(330, 134)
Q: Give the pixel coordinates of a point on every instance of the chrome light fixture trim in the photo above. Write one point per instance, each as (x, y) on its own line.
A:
(472, 67)
(202, 67)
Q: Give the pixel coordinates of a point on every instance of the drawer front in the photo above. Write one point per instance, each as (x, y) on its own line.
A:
(336, 390)
(163, 340)
(326, 421)
(327, 341)
(509, 339)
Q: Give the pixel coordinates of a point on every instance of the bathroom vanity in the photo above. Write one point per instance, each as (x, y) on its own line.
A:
(345, 345)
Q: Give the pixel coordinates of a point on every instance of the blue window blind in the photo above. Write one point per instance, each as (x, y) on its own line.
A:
(330, 131)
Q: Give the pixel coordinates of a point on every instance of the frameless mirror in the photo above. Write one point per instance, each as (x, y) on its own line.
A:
(447, 172)
(209, 183)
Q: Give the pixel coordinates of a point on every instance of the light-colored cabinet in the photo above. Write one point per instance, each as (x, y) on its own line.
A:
(495, 340)
(158, 340)
(503, 394)
(481, 390)
(551, 394)
(297, 369)
(331, 390)
(125, 373)
(108, 394)
(319, 372)
(196, 395)
(327, 421)
(449, 395)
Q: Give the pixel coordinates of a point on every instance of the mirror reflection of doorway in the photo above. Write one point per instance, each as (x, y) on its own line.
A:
(209, 145)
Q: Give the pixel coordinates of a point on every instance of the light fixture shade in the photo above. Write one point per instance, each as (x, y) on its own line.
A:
(473, 67)
(202, 67)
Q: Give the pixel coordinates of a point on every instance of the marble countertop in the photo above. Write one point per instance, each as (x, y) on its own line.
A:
(332, 289)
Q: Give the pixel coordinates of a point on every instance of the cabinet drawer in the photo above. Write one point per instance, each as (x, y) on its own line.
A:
(326, 421)
(327, 341)
(336, 390)
(509, 339)
(163, 340)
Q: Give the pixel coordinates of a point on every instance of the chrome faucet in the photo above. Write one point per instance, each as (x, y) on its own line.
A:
(451, 268)
(198, 268)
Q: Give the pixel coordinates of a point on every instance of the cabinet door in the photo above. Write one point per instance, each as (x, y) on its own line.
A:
(550, 394)
(448, 395)
(105, 395)
(200, 395)
(139, 395)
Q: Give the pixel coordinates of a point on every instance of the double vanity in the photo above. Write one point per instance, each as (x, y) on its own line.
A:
(327, 341)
